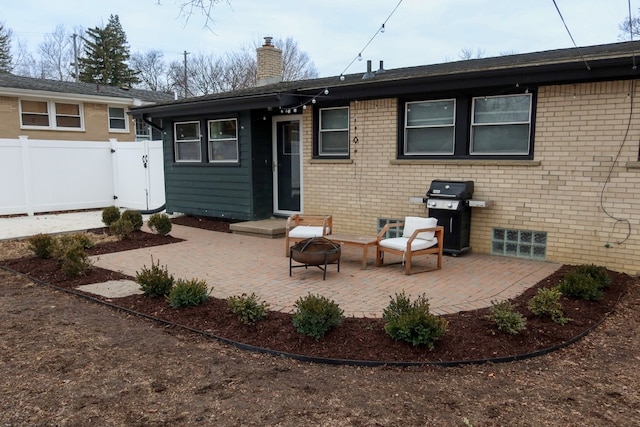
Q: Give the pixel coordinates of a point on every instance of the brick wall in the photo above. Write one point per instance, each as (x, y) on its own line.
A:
(96, 123)
(580, 129)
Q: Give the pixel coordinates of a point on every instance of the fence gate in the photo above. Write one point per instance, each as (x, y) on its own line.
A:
(138, 175)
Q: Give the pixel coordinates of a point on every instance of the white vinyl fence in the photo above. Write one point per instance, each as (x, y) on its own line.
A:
(46, 175)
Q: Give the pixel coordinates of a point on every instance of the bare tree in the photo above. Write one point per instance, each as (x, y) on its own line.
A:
(57, 55)
(468, 53)
(629, 28)
(296, 64)
(152, 70)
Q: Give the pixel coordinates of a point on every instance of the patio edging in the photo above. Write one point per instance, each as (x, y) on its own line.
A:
(312, 359)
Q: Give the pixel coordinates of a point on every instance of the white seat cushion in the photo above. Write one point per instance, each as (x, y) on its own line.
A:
(306, 231)
(400, 243)
(413, 223)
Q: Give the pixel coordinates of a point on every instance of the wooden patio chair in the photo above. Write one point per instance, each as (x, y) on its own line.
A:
(300, 227)
(421, 236)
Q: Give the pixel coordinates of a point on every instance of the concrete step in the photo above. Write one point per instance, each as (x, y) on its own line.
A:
(272, 228)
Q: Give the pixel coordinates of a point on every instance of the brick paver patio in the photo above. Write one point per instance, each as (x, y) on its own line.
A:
(234, 264)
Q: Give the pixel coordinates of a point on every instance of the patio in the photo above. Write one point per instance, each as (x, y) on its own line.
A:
(234, 264)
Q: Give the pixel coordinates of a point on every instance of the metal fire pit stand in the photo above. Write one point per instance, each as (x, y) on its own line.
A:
(317, 251)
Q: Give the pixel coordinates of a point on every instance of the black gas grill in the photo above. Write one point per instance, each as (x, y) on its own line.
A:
(447, 201)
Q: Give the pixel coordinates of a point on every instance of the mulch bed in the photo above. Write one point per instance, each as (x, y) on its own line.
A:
(470, 334)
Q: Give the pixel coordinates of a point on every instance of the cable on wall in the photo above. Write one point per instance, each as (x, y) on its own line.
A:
(613, 163)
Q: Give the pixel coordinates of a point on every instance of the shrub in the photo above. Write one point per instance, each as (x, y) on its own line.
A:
(546, 302)
(314, 315)
(83, 240)
(155, 281)
(580, 286)
(70, 251)
(507, 318)
(135, 217)
(122, 228)
(160, 223)
(110, 215)
(187, 293)
(599, 274)
(42, 245)
(412, 322)
(248, 309)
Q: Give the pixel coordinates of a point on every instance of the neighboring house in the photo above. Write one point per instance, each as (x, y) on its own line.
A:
(54, 110)
(550, 139)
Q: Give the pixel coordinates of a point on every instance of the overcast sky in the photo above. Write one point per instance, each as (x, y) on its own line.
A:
(333, 32)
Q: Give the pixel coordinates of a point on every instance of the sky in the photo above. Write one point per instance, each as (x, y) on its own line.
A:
(334, 32)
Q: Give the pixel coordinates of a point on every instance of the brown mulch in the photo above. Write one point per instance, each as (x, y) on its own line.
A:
(470, 335)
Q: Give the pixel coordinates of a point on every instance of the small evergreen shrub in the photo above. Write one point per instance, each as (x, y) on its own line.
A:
(110, 214)
(412, 322)
(83, 240)
(121, 228)
(507, 318)
(599, 274)
(135, 217)
(580, 286)
(314, 315)
(155, 281)
(70, 251)
(42, 245)
(546, 302)
(247, 307)
(188, 293)
(160, 223)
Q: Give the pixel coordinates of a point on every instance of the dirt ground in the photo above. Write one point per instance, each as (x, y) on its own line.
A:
(70, 362)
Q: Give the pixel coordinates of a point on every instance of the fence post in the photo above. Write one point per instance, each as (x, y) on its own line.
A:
(26, 173)
(114, 168)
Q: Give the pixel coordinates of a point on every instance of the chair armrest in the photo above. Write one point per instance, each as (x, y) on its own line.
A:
(327, 225)
(438, 230)
(387, 227)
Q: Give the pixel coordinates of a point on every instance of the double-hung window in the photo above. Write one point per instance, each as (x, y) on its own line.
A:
(223, 141)
(187, 141)
(501, 125)
(333, 135)
(118, 120)
(430, 127)
(50, 115)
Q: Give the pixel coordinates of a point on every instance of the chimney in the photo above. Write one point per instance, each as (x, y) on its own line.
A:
(269, 67)
(368, 74)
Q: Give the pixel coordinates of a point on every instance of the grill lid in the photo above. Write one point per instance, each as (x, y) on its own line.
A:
(450, 189)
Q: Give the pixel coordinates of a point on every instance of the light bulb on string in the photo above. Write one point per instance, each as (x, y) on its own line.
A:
(341, 77)
(326, 91)
(382, 28)
(360, 56)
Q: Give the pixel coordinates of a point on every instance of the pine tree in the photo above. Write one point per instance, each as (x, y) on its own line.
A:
(5, 49)
(106, 53)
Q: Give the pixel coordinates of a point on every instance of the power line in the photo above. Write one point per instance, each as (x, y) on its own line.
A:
(569, 32)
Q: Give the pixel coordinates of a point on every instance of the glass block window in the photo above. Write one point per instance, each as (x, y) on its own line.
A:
(519, 243)
(392, 232)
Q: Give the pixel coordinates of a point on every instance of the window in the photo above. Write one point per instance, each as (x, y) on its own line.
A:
(501, 125)
(333, 139)
(519, 243)
(50, 115)
(143, 131)
(429, 127)
(223, 141)
(187, 142)
(118, 120)
(489, 127)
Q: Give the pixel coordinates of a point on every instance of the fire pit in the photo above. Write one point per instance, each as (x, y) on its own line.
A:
(316, 251)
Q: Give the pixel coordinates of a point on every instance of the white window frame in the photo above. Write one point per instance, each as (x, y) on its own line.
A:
(52, 115)
(475, 125)
(197, 140)
(427, 126)
(323, 131)
(211, 140)
(125, 119)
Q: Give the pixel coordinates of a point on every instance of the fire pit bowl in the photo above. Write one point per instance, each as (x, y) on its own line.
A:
(316, 251)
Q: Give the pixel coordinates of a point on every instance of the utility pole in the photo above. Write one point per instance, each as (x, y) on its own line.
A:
(75, 56)
(186, 80)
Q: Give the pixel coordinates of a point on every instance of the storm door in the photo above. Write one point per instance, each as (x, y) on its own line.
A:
(287, 164)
